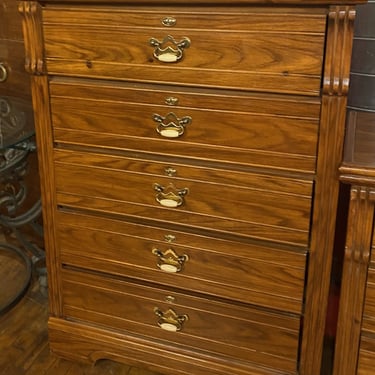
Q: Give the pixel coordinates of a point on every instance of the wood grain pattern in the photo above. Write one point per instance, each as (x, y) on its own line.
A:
(327, 187)
(357, 254)
(369, 308)
(289, 60)
(32, 32)
(95, 344)
(124, 306)
(21, 339)
(355, 344)
(251, 273)
(365, 326)
(222, 128)
(340, 43)
(206, 205)
(366, 356)
(263, 166)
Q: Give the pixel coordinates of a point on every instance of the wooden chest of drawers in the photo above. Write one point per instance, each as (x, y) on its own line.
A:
(189, 157)
(355, 347)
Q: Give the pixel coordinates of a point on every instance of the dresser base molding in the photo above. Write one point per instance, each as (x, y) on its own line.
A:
(82, 343)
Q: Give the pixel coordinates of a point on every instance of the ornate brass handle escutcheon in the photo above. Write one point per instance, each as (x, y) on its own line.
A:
(169, 50)
(170, 196)
(171, 126)
(169, 261)
(3, 72)
(170, 320)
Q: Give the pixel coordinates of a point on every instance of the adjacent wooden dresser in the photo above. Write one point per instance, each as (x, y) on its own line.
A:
(355, 347)
(189, 157)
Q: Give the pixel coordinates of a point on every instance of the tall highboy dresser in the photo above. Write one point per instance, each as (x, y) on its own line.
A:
(189, 155)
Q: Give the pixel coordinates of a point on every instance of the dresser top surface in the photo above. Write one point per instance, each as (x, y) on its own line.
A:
(213, 2)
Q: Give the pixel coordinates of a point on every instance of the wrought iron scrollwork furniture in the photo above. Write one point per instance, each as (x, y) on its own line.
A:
(16, 143)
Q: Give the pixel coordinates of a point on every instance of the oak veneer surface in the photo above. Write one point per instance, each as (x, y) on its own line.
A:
(277, 275)
(189, 160)
(128, 114)
(254, 65)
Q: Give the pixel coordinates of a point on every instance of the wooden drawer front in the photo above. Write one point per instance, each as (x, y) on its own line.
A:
(368, 322)
(243, 48)
(106, 183)
(366, 360)
(225, 329)
(14, 79)
(274, 132)
(249, 273)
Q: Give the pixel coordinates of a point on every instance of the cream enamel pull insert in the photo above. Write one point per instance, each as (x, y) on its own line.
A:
(170, 196)
(170, 320)
(171, 126)
(169, 50)
(169, 261)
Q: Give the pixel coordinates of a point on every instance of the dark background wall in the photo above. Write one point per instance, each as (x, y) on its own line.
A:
(362, 80)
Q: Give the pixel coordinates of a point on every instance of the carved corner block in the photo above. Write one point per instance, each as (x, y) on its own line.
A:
(338, 50)
(33, 36)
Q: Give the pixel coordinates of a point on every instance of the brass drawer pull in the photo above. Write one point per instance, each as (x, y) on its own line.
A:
(170, 238)
(3, 72)
(169, 50)
(171, 126)
(169, 21)
(169, 261)
(170, 320)
(170, 196)
(171, 100)
(170, 171)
